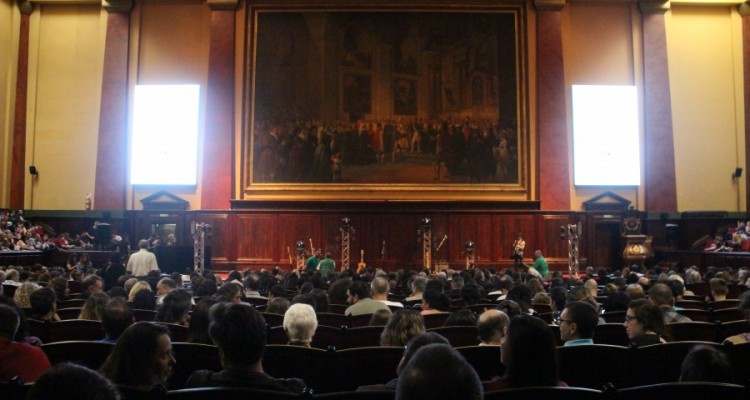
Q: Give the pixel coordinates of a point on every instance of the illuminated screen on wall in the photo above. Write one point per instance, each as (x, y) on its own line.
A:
(164, 149)
(605, 136)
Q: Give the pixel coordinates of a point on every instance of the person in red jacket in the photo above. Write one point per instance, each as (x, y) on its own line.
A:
(20, 360)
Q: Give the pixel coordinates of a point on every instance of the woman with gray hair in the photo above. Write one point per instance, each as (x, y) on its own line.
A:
(300, 323)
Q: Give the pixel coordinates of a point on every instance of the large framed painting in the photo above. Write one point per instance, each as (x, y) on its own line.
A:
(386, 103)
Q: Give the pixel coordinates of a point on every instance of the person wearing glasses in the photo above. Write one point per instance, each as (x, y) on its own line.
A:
(644, 323)
(577, 323)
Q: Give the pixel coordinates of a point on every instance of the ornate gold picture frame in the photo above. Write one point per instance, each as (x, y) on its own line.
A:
(386, 103)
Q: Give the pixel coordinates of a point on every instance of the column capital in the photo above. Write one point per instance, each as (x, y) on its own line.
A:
(117, 6)
(219, 5)
(654, 6)
(25, 6)
(549, 5)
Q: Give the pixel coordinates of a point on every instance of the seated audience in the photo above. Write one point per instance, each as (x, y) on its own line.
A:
(402, 327)
(230, 292)
(239, 331)
(116, 318)
(418, 286)
(661, 295)
(175, 307)
(44, 305)
(434, 302)
(411, 347)
(60, 286)
(300, 323)
(719, 290)
(437, 372)
(529, 354)
(462, 317)
(744, 307)
(577, 323)
(22, 297)
(18, 359)
(71, 381)
(278, 305)
(635, 291)
(142, 357)
(644, 323)
(164, 286)
(199, 321)
(491, 326)
(358, 296)
(93, 308)
(136, 288)
(706, 364)
(510, 308)
(379, 288)
(91, 284)
(380, 318)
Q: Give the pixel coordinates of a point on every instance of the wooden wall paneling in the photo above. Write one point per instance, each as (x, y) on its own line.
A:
(403, 248)
(256, 242)
(302, 226)
(477, 228)
(223, 241)
(605, 241)
(441, 227)
(552, 246)
(509, 226)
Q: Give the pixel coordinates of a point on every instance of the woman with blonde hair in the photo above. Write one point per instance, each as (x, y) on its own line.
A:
(140, 285)
(402, 327)
(93, 308)
(23, 294)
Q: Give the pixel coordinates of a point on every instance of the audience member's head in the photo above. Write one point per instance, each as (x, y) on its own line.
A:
(706, 364)
(436, 372)
(661, 295)
(403, 325)
(199, 321)
(43, 304)
(239, 331)
(231, 292)
(142, 357)
(578, 321)
(22, 297)
(91, 284)
(462, 317)
(719, 289)
(93, 308)
(643, 317)
(357, 291)
(175, 307)
(278, 305)
(416, 343)
(510, 308)
(9, 321)
(635, 291)
(435, 300)
(137, 287)
(380, 318)
(165, 285)
(300, 323)
(491, 326)
(529, 353)
(321, 300)
(71, 381)
(116, 318)
(60, 286)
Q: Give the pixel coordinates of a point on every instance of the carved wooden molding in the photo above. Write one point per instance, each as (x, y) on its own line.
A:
(218, 5)
(654, 6)
(549, 5)
(117, 6)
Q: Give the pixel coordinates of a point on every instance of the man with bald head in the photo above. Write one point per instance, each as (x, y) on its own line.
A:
(143, 261)
(491, 326)
(661, 295)
(379, 288)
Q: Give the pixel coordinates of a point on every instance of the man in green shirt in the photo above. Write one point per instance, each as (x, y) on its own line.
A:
(327, 265)
(312, 262)
(540, 263)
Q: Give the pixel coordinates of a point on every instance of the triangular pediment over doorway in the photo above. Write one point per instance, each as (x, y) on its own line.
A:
(606, 201)
(163, 200)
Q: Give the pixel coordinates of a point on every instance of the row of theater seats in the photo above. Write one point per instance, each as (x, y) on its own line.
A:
(682, 391)
(342, 370)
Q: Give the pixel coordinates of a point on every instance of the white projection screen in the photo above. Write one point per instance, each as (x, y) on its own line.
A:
(606, 151)
(164, 147)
